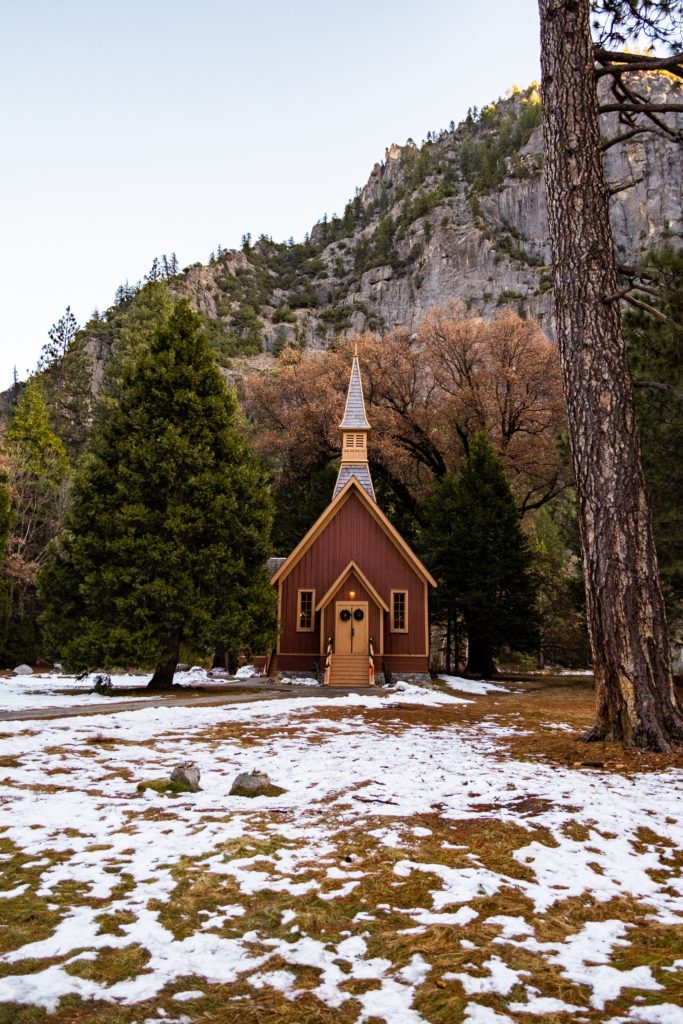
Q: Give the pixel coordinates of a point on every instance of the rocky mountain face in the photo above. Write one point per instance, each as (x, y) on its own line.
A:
(461, 217)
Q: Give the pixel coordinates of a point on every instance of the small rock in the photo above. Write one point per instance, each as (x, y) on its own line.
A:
(254, 784)
(188, 774)
(182, 666)
(23, 670)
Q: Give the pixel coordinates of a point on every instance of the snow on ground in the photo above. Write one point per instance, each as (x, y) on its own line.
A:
(345, 774)
(477, 686)
(28, 693)
(56, 690)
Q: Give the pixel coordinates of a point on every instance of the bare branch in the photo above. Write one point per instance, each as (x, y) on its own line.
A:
(625, 136)
(647, 308)
(619, 63)
(641, 108)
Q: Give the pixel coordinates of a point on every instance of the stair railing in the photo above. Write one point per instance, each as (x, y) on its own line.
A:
(328, 661)
(371, 660)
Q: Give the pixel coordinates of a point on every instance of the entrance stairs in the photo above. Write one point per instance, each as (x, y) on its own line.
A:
(349, 670)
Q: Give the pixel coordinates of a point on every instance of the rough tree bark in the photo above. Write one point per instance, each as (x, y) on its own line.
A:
(636, 700)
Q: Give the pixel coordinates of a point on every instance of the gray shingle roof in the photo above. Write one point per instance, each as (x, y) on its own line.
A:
(273, 564)
(354, 413)
(362, 475)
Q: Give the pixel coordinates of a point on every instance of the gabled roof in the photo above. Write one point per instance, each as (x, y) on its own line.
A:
(354, 412)
(354, 568)
(361, 471)
(352, 487)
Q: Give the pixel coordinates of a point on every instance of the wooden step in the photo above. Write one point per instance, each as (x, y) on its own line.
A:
(349, 670)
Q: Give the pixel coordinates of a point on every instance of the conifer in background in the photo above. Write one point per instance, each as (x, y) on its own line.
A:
(38, 477)
(65, 370)
(481, 559)
(655, 351)
(167, 533)
(5, 528)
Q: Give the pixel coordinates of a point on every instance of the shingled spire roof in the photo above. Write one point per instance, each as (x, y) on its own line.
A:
(354, 413)
(354, 456)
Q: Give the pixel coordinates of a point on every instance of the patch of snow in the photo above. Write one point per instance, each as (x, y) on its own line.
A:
(501, 979)
(247, 672)
(306, 681)
(476, 686)
(540, 1006)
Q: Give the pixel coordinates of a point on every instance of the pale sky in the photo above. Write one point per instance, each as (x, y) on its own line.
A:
(135, 128)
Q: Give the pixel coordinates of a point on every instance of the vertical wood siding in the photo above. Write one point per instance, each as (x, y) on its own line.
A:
(353, 534)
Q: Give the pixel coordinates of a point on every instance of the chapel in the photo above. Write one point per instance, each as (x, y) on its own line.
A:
(352, 595)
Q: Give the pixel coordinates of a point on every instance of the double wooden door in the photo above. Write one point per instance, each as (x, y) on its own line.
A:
(351, 627)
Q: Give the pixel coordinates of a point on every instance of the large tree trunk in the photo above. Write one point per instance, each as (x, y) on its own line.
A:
(165, 668)
(479, 658)
(636, 701)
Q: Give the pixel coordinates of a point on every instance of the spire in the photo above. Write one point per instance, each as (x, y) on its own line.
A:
(355, 427)
(354, 413)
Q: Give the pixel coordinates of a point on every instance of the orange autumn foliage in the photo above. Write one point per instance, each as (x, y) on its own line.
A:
(428, 393)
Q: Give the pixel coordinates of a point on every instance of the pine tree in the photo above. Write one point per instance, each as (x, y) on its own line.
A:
(167, 533)
(481, 559)
(38, 477)
(6, 521)
(66, 381)
(655, 349)
(635, 694)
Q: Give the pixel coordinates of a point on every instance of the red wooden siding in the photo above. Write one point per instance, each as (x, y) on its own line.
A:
(354, 534)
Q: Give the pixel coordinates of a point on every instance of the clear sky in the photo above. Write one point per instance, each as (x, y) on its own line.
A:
(135, 128)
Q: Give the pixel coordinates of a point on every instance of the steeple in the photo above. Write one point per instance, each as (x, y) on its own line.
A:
(354, 427)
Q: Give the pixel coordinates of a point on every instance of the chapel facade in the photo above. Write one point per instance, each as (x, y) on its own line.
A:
(352, 596)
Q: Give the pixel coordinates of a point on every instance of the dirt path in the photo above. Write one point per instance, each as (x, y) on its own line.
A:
(241, 697)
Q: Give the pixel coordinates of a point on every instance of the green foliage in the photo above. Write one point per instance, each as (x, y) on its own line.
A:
(38, 475)
(498, 134)
(481, 559)
(299, 500)
(561, 597)
(656, 358)
(166, 535)
(6, 522)
(30, 436)
(65, 370)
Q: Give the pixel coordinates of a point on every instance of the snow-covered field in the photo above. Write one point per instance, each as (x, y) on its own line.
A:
(47, 690)
(408, 867)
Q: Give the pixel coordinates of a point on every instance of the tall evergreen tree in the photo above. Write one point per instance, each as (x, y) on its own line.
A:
(6, 520)
(167, 533)
(38, 477)
(481, 559)
(66, 379)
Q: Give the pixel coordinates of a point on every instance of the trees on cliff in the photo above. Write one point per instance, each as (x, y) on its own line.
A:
(167, 532)
(636, 700)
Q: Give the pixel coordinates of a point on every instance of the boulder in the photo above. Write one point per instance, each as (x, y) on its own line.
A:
(186, 774)
(182, 666)
(23, 670)
(254, 783)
